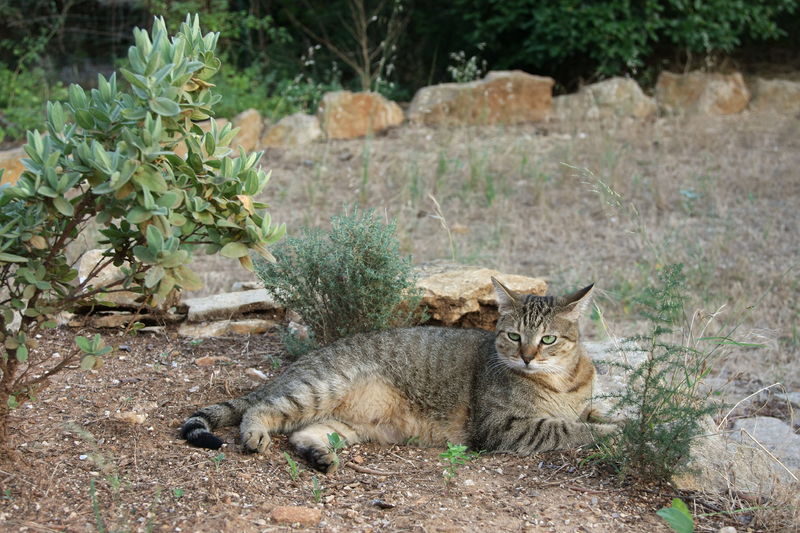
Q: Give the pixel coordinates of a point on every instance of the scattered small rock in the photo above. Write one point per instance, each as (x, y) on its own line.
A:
(290, 514)
(256, 374)
(130, 417)
(381, 504)
(252, 326)
(209, 360)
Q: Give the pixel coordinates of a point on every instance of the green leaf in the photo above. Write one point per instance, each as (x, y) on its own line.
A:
(164, 106)
(234, 250)
(187, 279)
(678, 516)
(83, 343)
(151, 178)
(155, 239)
(12, 258)
(63, 207)
(88, 362)
(153, 276)
(22, 353)
(137, 215)
(12, 402)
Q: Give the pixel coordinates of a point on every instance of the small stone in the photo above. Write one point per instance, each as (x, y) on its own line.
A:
(256, 374)
(124, 348)
(290, 514)
(209, 360)
(727, 529)
(130, 417)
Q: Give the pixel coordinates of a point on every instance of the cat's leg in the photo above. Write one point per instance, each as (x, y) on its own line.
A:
(259, 422)
(531, 435)
(312, 443)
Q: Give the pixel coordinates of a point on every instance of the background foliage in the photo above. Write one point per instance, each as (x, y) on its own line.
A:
(281, 55)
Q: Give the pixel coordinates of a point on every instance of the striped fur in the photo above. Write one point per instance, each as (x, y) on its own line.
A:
(514, 390)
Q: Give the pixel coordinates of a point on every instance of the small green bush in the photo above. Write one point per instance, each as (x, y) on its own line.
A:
(110, 157)
(663, 403)
(349, 280)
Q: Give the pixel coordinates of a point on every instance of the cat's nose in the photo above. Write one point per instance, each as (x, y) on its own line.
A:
(529, 354)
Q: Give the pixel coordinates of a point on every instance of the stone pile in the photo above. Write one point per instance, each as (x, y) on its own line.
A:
(500, 98)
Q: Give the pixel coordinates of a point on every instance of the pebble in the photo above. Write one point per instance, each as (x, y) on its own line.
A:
(290, 514)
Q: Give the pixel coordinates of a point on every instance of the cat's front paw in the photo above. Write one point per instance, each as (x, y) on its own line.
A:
(255, 438)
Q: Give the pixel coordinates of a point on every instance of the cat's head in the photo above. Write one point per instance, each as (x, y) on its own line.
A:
(539, 334)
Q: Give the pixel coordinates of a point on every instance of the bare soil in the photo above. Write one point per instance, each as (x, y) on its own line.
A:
(99, 450)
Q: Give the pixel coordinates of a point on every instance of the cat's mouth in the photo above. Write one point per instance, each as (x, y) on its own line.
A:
(533, 367)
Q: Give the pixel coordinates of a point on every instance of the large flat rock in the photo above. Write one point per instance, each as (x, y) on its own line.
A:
(502, 97)
(227, 305)
(466, 297)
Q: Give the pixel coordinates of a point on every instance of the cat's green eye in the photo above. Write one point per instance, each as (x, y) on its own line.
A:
(513, 336)
(549, 339)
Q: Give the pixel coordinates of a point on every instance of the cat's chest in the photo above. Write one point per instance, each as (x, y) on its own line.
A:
(549, 402)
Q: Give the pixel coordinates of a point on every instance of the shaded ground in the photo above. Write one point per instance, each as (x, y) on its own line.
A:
(83, 462)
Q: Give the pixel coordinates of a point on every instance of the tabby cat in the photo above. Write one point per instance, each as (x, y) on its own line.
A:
(524, 388)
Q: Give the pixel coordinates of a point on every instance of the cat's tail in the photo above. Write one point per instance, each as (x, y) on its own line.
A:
(197, 429)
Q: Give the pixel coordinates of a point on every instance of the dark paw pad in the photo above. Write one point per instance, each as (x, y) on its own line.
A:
(322, 460)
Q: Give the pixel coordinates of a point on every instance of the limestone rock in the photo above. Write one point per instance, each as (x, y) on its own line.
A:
(229, 304)
(701, 92)
(221, 328)
(466, 297)
(780, 96)
(612, 98)
(502, 97)
(11, 162)
(108, 275)
(774, 434)
(250, 125)
(291, 514)
(295, 130)
(348, 115)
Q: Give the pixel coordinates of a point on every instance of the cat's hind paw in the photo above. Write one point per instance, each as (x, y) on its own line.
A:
(320, 459)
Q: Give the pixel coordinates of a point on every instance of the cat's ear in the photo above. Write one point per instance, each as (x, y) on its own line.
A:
(506, 298)
(576, 303)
